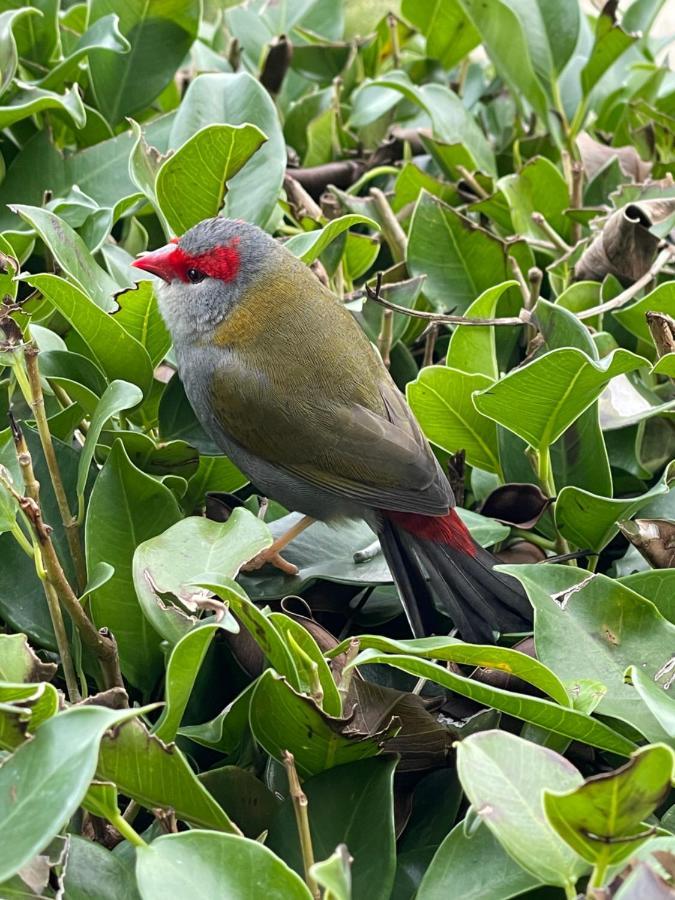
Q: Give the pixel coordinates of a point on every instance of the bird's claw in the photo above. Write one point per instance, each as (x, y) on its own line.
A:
(270, 557)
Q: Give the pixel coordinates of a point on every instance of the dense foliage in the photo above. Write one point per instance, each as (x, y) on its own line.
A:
(162, 719)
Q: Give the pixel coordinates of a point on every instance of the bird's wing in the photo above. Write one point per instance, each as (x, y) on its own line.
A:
(379, 458)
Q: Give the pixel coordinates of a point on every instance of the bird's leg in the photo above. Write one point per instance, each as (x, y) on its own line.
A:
(272, 554)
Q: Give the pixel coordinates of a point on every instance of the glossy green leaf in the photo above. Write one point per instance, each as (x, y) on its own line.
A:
(19, 662)
(236, 100)
(538, 187)
(449, 32)
(31, 101)
(459, 266)
(472, 348)
(103, 37)
(611, 41)
(282, 719)
(126, 508)
(310, 245)
(334, 874)
(160, 34)
(191, 184)
(535, 710)
(155, 774)
(118, 396)
(9, 57)
(441, 399)
(140, 317)
(201, 864)
(72, 255)
(595, 629)
(661, 300)
(43, 782)
(599, 817)
(351, 805)
(477, 866)
(656, 698)
(504, 778)
(541, 399)
(486, 657)
(167, 566)
(94, 871)
(114, 350)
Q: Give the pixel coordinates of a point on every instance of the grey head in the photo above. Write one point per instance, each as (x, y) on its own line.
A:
(206, 272)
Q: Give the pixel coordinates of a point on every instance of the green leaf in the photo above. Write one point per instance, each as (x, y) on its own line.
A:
(247, 800)
(472, 347)
(166, 567)
(24, 708)
(9, 57)
(182, 669)
(310, 245)
(93, 871)
(541, 399)
(334, 874)
(633, 317)
(72, 255)
(504, 777)
(449, 32)
(590, 521)
(595, 630)
(214, 473)
(103, 36)
(351, 805)
(477, 866)
(126, 508)
(538, 187)
(191, 184)
(155, 774)
(118, 354)
(19, 663)
(282, 719)
(43, 782)
(486, 657)
(118, 395)
(459, 259)
(658, 701)
(612, 806)
(201, 864)
(140, 317)
(33, 100)
(657, 585)
(503, 37)
(160, 35)
(611, 41)
(549, 715)
(441, 399)
(236, 100)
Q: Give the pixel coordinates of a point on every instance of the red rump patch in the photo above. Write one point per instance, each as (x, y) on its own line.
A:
(448, 529)
(221, 262)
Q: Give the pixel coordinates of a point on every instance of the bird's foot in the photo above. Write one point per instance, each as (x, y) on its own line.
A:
(272, 557)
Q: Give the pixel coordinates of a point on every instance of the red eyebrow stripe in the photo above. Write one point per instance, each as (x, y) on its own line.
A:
(221, 262)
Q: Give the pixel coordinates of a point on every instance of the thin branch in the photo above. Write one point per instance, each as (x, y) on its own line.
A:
(373, 294)
(473, 183)
(69, 521)
(520, 278)
(577, 197)
(430, 339)
(630, 292)
(534, 277)
(392, 232)
(386, 336)
(550, 232)
(299, 800)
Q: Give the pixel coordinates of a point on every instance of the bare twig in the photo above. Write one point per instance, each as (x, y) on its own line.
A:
(473, 183)
(386, 336)
(520, 278)
(577, 197)
(534, 277)
(373, 294)
(550, 232)
(430, 344)
(348, 671)
(70, 522)
(299, 801)
(392, 24)
(630, 292)
(301, 202)
(392, 232)
(101, 643)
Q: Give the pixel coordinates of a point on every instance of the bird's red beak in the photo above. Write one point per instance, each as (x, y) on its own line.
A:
(160, 262)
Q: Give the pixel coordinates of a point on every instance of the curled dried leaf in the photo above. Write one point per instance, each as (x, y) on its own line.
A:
(595, 156)
(516, 504)
(624, 248)
(654, 539)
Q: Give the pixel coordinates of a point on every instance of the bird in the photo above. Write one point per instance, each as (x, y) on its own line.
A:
(290, 388)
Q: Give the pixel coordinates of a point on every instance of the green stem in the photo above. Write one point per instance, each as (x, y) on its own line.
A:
(370, 174)
(127, 832)
(533, 538)
(599, 873)
(570, 891)
(22, 540)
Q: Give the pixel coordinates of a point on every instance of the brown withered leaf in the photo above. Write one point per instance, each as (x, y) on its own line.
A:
(662, 329)
(654, 539)
(624, 248)
(595, 155)
(516, 504)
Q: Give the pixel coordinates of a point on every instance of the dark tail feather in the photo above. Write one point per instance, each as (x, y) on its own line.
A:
(479, 600)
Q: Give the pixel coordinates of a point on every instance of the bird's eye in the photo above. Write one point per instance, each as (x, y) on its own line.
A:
(195, 275)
